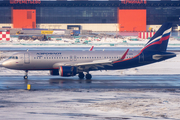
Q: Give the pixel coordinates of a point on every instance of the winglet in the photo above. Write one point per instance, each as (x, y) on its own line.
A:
(91, 48)
(124, 55)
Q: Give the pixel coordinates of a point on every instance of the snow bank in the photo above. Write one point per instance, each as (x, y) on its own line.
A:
(105, 42)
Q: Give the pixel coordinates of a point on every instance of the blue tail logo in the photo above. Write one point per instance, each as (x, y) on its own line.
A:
(160, 40)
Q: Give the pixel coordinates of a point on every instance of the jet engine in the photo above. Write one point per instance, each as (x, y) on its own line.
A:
(54, 72)
(66, 71)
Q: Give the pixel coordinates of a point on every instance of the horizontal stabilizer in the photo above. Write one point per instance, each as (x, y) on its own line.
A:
(159, 56)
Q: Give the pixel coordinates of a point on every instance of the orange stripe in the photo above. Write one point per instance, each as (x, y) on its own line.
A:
(61, 71)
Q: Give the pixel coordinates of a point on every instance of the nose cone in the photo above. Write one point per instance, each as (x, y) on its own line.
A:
(6, 64)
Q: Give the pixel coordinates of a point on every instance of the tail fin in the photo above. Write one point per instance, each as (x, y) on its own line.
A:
(160, 40)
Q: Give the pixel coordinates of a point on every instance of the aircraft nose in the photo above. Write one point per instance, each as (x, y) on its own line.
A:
(6, 64)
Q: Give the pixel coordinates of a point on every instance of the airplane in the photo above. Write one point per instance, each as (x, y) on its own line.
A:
(70, 63)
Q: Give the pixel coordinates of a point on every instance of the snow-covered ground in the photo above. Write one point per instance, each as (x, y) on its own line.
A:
(90, 104)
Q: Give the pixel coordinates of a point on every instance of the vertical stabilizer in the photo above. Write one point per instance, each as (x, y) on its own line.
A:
(160, 39)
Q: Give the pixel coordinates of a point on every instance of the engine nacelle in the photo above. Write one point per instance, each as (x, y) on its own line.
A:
(66, 71)
(54, 72)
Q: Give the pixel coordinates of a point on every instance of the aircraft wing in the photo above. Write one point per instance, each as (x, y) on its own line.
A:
(85, 66)
(106, 61)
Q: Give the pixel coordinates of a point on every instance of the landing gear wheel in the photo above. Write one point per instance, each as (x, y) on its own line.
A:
(88, 76)
(26, 74)
(81, 75)
(25, 77)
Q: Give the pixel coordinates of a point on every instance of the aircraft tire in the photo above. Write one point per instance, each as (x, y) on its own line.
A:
(88, 76)
(25, 77)
(81, 75)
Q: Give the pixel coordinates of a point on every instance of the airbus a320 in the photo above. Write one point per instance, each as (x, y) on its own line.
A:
(71, 63)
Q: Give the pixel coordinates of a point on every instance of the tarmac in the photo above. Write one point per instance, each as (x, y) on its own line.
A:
(105, 97)
(97, 82)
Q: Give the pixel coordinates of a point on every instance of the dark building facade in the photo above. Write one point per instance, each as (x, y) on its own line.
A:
(36, 12)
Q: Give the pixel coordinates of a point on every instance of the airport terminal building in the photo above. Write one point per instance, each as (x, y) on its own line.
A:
(106, 15)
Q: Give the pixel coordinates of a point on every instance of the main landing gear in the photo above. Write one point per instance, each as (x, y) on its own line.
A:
(26, 74)
(88, 76)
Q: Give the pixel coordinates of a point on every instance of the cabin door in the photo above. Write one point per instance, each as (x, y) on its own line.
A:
(26, 58)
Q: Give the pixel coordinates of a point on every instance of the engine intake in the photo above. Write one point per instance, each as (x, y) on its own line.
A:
(66, 71)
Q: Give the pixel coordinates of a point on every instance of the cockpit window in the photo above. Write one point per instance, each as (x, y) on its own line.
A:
(13, 57)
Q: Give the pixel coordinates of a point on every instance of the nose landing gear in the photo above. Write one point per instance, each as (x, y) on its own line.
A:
(26, 74)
